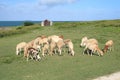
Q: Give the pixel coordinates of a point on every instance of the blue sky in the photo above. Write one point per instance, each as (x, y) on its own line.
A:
(59, 10)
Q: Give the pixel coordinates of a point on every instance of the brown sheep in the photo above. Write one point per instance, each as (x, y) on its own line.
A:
(33, 54)
(108, 46)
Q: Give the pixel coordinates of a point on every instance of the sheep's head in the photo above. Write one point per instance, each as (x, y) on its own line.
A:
(83, 41)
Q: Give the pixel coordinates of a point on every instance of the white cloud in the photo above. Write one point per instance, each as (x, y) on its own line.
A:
(50, 3)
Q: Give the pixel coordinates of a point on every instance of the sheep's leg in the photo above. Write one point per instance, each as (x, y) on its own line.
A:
(31, 57)
(55, 51)
(110, 48)
(91, 52)
(27, 57)
(20, 51)
(59, 51)
(38, 57)
(43, 53)
(88, 51)
(84, 50)
(63, 49)
(17, 51)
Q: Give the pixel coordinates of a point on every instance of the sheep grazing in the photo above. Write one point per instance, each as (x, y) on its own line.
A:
(90, 45)
(33, 54)
(52, 47)
(55, 38)
(70, 46)
(60, 45)
(93, 48)
(43, 40)
(45, 49)
(30, 44)
(85, 40)
(108, 46)
(20, 47)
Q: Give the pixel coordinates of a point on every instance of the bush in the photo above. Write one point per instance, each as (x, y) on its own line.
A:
(28, 23)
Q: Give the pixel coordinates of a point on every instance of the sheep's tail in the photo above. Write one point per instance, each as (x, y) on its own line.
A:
(25, 51)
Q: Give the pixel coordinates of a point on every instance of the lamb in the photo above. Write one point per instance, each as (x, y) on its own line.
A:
(108, 46)
(93, 48)
(20, 47)
(70, 46)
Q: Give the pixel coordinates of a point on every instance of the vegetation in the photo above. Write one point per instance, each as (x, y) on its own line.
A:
(17, 30)
(65, 67)
(28, 23)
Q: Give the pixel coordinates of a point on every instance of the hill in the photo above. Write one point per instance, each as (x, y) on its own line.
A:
(65, 67)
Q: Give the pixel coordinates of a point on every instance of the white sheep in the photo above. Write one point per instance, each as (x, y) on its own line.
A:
(85, 40)
(45, 49)
(52, 47)
(60, 45)
(70, 46)
(93, 48)
(20, 47)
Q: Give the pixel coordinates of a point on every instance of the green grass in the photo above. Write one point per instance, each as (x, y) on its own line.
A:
(65, 67)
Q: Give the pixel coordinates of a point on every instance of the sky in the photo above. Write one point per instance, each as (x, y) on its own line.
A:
(59, 10)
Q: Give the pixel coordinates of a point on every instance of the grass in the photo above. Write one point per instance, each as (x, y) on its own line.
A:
(65, 67)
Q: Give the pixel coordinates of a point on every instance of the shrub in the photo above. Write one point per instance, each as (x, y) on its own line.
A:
(28, 23)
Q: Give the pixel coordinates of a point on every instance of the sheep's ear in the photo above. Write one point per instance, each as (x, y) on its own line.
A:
(43, 36)
(61, 36)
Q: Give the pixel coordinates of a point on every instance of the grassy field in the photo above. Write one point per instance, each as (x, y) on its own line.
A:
(65, 67)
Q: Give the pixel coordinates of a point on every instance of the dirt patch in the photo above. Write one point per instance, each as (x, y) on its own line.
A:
(114, 76)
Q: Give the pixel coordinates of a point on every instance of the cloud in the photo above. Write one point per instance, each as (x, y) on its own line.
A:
(2, 6)
(50, 3)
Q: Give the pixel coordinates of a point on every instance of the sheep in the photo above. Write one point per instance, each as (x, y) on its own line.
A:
(85, 40)
(45, 49)
(60, 44)
(39, 41)
(33, 53)
(42, 40)
(70, 46)
(55, 38)
(20, 47)
(52, 47)
(108, 46)
(93, 48)
(30, 44)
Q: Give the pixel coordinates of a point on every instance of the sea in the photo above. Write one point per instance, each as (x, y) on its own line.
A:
(14, 23)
